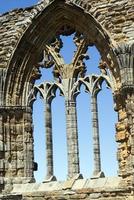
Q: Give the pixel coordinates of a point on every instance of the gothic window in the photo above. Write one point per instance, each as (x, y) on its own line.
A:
(68, 77)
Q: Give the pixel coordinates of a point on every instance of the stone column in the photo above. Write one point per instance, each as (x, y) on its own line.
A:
(1, 150)
(28, 145)
(49, 142)
(96, 143)
(72, 139)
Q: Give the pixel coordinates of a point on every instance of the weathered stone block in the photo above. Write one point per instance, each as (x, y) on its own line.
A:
(122, 115)
(120, 126)
(121, 136)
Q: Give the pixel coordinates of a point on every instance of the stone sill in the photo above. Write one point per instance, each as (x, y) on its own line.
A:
(108, 184)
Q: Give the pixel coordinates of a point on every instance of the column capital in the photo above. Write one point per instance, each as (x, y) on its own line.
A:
(124, 53)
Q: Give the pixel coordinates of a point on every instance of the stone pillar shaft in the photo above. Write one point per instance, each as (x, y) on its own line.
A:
(1, 149)
(49, 141)
(72, 139)
(28, 144)
(96, 142)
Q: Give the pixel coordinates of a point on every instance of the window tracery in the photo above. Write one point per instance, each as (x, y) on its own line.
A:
(68, 78)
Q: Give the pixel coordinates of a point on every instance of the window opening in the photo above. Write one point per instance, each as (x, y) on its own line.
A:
(85, 133)
(39, 139)
(107, 120)
(68, 49)
(93, 61)
(59, 137)
(66, 77)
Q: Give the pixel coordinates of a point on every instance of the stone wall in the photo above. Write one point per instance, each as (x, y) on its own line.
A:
(75, 195)
(80, 195)
(18, 125)
(11, 197)
(116, 16)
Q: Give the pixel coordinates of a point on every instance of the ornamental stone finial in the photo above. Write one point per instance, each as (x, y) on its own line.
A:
(103, 67)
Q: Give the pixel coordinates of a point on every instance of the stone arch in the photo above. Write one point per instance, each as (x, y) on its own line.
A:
(28, 50)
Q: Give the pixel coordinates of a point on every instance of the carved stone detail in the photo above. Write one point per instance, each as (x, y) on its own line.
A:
(125, 57)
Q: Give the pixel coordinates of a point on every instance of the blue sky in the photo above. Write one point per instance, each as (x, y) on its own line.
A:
(6, 5)
(107, 118)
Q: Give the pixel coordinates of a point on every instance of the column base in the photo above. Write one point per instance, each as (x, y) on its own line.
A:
(51, 179)
(76, 177)
(98, 175)
(68, 184)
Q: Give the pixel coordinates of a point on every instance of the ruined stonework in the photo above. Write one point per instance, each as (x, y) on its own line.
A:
(29, 40)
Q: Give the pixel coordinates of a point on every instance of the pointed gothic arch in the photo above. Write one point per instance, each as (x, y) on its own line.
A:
(23, 66)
